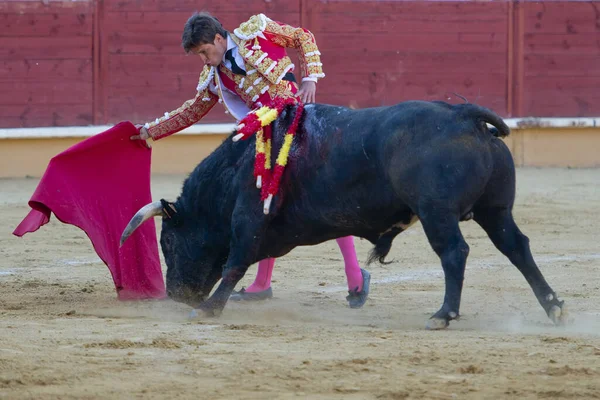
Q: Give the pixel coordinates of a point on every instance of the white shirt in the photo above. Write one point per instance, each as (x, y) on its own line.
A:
(232, 100)
(235, 53)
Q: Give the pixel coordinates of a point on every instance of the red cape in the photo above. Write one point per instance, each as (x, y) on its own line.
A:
(98, 185)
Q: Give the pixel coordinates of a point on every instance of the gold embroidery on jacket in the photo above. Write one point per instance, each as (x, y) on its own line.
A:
(304, 41)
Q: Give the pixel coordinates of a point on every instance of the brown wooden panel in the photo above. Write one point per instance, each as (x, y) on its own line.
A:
(142, 93)
(36, 25)
(566, 97)
(406, 24)
(160, 33)
(38, 70)
(45, 47)
(167, 72)
(396, 51)
(562, 65)
(374, 52)
(216, 8)
(414, 42)
(405, 63)
(572, 17)
(46, 92)
(392, 18)
(46, 63)
(142, 109)
(174, 21)
(562, 59)
(157, 89)
(46, 7)
(134, 42)
(561, 43)
(465, 10)
(375, 89)
(558, 104)
(162, 23)
(568, 83)
(25, 116)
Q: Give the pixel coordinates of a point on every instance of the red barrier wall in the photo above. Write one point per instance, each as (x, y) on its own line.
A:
(80, 62)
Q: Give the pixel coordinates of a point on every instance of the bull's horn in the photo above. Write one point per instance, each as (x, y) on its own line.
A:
(148, 211)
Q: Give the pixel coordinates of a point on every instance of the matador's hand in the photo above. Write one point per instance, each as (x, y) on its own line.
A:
(307, 91)
(143, 136)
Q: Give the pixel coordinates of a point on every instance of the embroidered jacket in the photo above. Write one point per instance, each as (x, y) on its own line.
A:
(261, 44)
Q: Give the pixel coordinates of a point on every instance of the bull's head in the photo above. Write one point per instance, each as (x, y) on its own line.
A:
(194, 260)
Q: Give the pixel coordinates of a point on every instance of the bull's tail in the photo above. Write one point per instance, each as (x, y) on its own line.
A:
(482, 114)
(382, 247)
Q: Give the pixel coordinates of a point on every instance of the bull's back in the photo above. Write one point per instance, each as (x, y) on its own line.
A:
(399, 152)
(342, 158)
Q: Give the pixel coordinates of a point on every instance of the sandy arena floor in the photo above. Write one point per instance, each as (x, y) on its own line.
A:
(64, 335)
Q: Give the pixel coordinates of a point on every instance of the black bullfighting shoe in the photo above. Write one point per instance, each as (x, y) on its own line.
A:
(242, 295)
(358, 299)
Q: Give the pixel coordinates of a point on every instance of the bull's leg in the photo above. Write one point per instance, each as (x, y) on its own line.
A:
(447, 241)
(247, 231)
(234, 271)
(506, 236)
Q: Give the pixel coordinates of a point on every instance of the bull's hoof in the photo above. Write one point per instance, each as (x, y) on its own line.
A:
(243, 295)
(212, 312)
(197, 313)
(436, 324)
(358, 299)
(200, 313)
(559, 315)
(441, 319)
(209, 309)
(468, 216)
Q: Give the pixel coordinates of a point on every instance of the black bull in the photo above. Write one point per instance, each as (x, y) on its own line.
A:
(368, 173)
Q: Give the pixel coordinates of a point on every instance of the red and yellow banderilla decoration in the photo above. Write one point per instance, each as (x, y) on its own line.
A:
(259, 122)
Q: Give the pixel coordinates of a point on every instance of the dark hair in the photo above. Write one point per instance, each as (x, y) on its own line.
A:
(201, 28)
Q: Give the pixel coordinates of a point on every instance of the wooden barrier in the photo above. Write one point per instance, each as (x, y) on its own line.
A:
(94, 62)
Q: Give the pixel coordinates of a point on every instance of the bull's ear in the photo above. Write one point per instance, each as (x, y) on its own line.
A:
(168, 208)
(169, 211)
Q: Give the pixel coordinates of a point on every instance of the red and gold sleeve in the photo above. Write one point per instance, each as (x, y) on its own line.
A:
(188, 114)
(303, 41)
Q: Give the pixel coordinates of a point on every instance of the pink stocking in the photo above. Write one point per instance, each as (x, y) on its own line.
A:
(352, 268)
(354, 276)
(263, 277)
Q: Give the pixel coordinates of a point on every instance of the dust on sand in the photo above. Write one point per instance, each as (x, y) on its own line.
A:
(64, 335)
